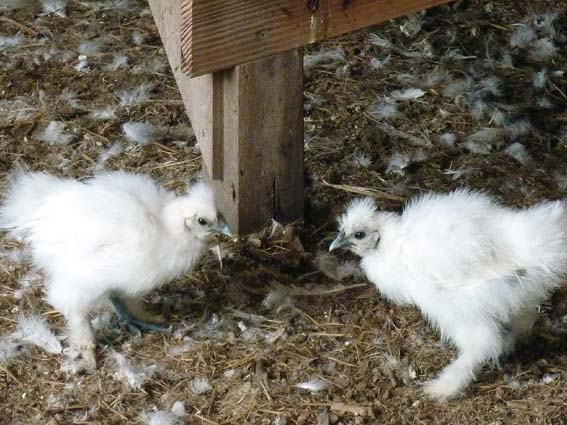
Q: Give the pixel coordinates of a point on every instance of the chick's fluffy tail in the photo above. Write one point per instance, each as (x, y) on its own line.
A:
(26, 193)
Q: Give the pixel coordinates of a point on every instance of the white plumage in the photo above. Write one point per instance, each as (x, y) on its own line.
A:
(113, 237)
(476, 269)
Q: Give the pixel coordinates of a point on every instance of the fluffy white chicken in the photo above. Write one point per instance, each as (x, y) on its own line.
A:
(476, 269)
(114, 237)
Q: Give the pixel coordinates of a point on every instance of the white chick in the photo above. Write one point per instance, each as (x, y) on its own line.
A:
(476, 269)
(114, 237)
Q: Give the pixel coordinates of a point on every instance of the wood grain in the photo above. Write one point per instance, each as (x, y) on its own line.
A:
(263, 142)
(218, 34)
(197, 93)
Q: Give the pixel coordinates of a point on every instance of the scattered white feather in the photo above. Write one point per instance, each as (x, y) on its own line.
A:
(54, 7)
(377, 64)
(178, 350)
(458, 173)
(545, 23)
(518, 128)
(324, 57)
(133, 374)
(9, 42)
(162, 417)
(379, 41)
(434, 77)
(105, 113)
(411, 25)
(178, 409)
(142, 133)
(544, 103)
(29, 279)
(56, 132)
(384, 110)
(90, 47)
(458, 88)
(314, 385)
(200, 386)
(479, 109)
(34, 330)
(548, 378)
(518, 152)
(490, 85)
(112, 151)
(561, 181)
(138, 38)
(506, 61)
(397, 163)
(136, 96)
(277, 300)
(407, 94)
(522, 36)
(448, 139)
(362, 160)
(540, 78)
(543, 50)
(119, 60)
(82, 65)
(15, 110)
(498, 117)
(482, 141)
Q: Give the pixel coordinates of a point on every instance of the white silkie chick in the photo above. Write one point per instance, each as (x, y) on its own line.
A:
(114, 237)
(476, 269)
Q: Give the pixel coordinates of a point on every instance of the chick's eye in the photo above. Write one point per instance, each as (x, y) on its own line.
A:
(202, 221)
(360, 235)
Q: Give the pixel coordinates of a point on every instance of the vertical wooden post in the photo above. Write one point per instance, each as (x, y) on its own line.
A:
(249, 123)
(263, 142)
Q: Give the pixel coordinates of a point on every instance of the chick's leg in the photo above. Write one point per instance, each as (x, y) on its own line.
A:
(75, 306)
(135, 324)
(477, 345)
(82, 339)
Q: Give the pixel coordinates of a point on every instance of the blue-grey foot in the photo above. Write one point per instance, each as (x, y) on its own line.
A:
(135, 326)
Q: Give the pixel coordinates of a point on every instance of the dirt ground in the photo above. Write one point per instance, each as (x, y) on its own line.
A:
(470, 94)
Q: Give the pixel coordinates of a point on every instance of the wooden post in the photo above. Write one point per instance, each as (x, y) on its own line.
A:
(262, 112)
(249, 123)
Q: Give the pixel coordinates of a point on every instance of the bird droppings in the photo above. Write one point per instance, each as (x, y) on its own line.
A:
(328, 327)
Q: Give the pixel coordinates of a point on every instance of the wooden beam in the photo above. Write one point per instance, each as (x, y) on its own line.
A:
(263, 142)
(218, 34)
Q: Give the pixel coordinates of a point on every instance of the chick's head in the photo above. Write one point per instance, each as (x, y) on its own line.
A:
(199, 214)
(359, 227)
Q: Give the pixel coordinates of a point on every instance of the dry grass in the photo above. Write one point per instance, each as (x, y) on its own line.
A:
(372, 355)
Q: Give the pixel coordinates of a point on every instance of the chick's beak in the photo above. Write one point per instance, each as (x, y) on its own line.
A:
(339, 242)
(221, 229)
